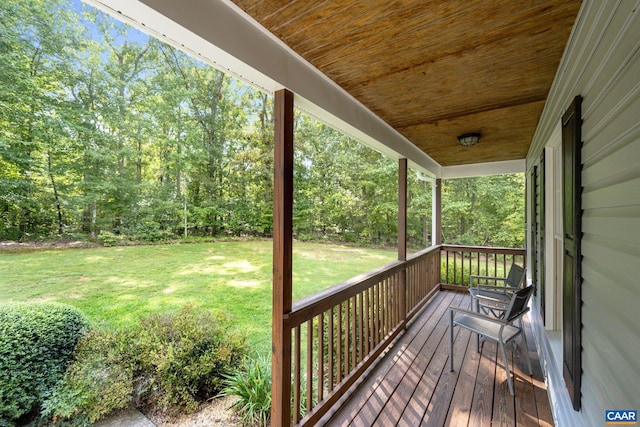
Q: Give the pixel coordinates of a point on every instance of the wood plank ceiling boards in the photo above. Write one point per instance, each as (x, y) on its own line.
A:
(435, 69)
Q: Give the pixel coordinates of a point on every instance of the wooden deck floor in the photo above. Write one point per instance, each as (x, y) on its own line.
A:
(412, 384)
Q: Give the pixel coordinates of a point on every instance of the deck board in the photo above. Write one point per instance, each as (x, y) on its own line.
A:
(460, 404)
(412, 384)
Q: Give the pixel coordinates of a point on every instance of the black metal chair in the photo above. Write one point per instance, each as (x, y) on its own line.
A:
(501, 330)
(493, 299)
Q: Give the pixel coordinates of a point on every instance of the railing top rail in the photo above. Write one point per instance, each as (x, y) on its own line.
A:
(484, 249)
(308, 307)
(327, 298)
(423, 252)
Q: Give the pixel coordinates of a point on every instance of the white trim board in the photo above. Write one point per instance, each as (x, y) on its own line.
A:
(561, 406)
(483, 169)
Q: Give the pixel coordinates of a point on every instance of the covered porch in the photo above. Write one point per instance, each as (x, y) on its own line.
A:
(407, 80)
(374, 350)
(411, 385)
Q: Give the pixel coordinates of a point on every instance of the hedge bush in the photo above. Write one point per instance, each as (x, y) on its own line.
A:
(170, 362)
(184, 357)
(99, 381)
(37, 341)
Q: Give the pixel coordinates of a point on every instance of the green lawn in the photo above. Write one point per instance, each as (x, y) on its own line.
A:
(119, 284)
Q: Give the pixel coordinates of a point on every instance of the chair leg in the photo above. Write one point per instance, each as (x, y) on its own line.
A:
(525, 350)
(475, 306)
(506, 368)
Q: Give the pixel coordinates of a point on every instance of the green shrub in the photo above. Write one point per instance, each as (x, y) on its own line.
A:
(171, 362)
(99, 381)
(108, 239)
(252, 385)
(36, 346)
(184, 356)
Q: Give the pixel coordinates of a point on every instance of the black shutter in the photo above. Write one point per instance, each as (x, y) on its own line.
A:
(537, 231)
(572, 259)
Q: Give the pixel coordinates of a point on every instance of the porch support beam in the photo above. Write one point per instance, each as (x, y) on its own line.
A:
(402, 209)
(282, 258)
(436, 237)
(402, 237)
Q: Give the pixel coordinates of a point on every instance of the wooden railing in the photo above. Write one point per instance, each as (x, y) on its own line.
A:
(338, 333)
(459, 262)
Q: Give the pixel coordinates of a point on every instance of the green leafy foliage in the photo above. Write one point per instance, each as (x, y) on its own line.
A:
(484, 211)
(252, 385)
(107, 238)
(183, 356)
(170, 362)
(106, 130)
(99, 381)
(36, 346)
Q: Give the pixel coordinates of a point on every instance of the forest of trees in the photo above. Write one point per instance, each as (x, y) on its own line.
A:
(104, 130)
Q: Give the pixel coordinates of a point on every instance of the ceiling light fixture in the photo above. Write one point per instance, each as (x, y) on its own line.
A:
(469, 139)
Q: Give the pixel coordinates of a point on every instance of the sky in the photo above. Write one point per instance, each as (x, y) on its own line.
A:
(132, 33)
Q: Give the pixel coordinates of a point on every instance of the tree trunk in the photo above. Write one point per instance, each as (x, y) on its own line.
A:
(55, 193)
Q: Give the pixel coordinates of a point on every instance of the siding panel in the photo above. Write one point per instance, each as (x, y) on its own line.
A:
(626, 228)
(623, 161)
(626, 193)
(611, 220)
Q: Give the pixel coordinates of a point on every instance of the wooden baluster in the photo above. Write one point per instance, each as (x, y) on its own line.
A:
(384, 307)
(447, 273)
(321, 357)
(331, 337)
(388, 307)
(376, 314)
(486, 264)
(391, 301)
(361, 325)
(504, 265)
(347, 336)
(340, 342)
(366, 320)
(412, 288)
(455, 267)
(309, 365)
(354, 329)
(470, 267)
(296, 376)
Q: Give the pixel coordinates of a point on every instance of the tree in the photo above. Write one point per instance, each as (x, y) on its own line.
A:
(485, 211)
(35, 57)
(104, 129)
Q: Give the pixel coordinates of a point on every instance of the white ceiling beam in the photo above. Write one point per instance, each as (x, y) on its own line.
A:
(483, 169)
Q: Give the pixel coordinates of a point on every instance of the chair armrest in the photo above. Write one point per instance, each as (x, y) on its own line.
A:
(495, 288)
(492, 300)
(475, 276)
(479, 315)
(484, 278)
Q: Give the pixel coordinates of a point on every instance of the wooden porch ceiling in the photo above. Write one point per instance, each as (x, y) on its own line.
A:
(434, 70)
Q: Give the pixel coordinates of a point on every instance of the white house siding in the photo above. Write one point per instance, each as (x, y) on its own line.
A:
(602, 63)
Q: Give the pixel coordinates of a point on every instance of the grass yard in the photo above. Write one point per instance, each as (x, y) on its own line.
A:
(116, 285)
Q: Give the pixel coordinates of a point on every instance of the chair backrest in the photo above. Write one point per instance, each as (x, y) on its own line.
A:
(519, 303)
(515, 277)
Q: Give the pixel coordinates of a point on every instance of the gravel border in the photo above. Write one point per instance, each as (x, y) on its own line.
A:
(216, 412)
